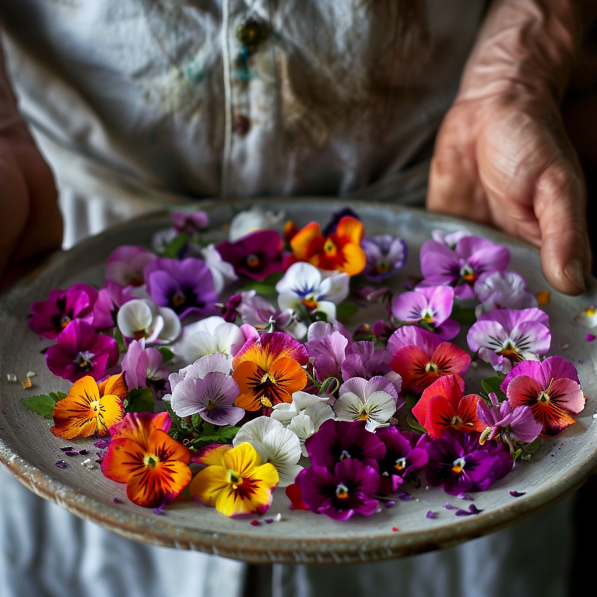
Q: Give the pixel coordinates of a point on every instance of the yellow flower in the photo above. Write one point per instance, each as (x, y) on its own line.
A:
(235, 481)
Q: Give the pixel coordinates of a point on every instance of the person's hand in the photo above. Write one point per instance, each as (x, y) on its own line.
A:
(30, 221)
(505, 160)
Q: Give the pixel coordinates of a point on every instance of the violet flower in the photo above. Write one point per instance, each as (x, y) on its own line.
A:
(449, 239)
(502, 290)
(386, 254)
(190, 223)
(460, 267)
(332, 225)
(429, 307)
(327, 342)
(504, 337)
(110, 298)
(126, 265)
(256, 255)
(50, 317)
(143, 368)
(79, 351)
(362, 360)
(341, 493)
(184, 286)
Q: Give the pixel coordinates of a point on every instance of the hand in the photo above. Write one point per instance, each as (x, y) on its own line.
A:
(30, 221)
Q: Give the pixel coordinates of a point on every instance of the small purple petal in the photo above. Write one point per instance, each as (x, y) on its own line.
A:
(590, 337)
(71, 453)
(255, 523)
(117, 500)
(83, 452)
(449, 507)
(405, 496)
(67, 449)
(159, 510)
(464, 496)
(517, 493)
(430, 514)
(61, 464)
(268, 520)
(390, 504)
(102, 444)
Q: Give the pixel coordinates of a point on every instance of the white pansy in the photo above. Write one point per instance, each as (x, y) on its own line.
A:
(252, 220)
(449, 239)
(306, 287)
(142, 318)
(285, 411)
(308, 421)
(587, 318)
(208, 336)
(274, 443)
(221, 271)
(502, 290)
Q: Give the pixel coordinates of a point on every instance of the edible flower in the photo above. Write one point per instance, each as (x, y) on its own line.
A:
(327, 344)
(587, 317)
(502, 290)
(110, 298)
(143, 368)
(126, 265)
(385, 254)
(234, 481)
(362, 360)
(190, 223)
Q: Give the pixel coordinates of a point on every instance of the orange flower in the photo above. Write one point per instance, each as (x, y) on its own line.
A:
(141, 454)
(90, 408)
(340, 251)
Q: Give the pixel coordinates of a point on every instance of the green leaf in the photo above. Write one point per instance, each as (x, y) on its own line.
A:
(533, 446)
(464, 315)
(118, 337)
(224, 435)
(228, 433)
(321, 316)
(414, 425)
(56, 396)
(140, 400)
(196, 422)
(167, 354)
(173, 248)
(267, 286)
(411, 401)
(209, 429)
(517, 453)
(492, 384)
(345, 311)
(42, 405)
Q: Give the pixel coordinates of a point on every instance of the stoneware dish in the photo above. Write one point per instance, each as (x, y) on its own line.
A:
(30, 451)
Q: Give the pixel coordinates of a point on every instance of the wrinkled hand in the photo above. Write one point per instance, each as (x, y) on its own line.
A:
(30, 221)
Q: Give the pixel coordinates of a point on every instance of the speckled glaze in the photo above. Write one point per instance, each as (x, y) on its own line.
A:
(30, 451)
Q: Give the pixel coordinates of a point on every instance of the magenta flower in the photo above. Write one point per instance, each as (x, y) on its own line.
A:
(460, 267)
(49, 318)
(403, 456)
(143, 368)
(429, 307)
(80, 352)
(126, 265)
(503, 290)
(256, 255)
(504, 337)
(550, 388)
(458, 463)
(190, 223)
(327, 342)
(386, 254)
(111, 297)
(340, 494)
(185, 286)
(362, 360)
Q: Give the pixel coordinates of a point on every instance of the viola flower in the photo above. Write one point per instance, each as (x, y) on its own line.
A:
(209, 336)
(142, 318)
(373, 401)
(286, 411)
(269, 370)
(587, 318)
(207, 389)
(460, 267)
(303, 287)
(340, 251)
(141, 454)
(49, 318)
(327, 343)
(89, 408)
(256, 255)
(420, 358)
(222, 272)
(550, 388)
(362, 360)
(385, 254)
(190, 223)
(126, 265)
(458, 463)
(253, 220)
(403, 456)
(340, 494)
(338, 440)
(143, 368)
(235, 481)
(451, 238)
(275, 444)
(335, 219)
(79, 352)
(502, 290)
(430, 307)
(110, 298)
(442, 406)
(504, 337)
(185, 286)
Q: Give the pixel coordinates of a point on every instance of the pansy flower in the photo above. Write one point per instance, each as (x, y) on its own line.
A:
(50, 317)
(340, 251)
(450, 239)
(126, 265)
(110, 298)
(234, 480)
(420, 358)
(143, 368)
(362, 360)
(190, 223)
(253, 220)
(90, 408)
(443, 406)
(386, 254)
(587, 317)
(502, 290)
(327, 344)
(550, 388)
(269, 370)
(79, 352)
(142, 318)
(141, 454)
(222, 272)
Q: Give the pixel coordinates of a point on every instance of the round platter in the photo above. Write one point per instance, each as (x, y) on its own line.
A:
(30, 451)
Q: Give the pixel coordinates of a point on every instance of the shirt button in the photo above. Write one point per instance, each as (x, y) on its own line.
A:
(252, 33)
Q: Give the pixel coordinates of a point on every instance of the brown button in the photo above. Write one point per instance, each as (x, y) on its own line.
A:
(241, 125)
(252, 33)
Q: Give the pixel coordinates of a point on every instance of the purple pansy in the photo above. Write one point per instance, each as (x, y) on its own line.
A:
(110, 298)
(143, 368)
(362, 360)
(80, 352)
(126, 265)
(430, 307)
(49, 318)
(504, 337)
(449, 239)
(386, 254)
(332, 225)
(189, 223)
(461, 266)
(184, 286)
(327, 343)
(256, 255)
(503, 290)
(341, 493)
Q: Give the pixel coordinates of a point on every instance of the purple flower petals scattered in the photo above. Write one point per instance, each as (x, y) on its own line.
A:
(268, 520)
(449, 507)
(158, 510)
(386, 254)
(472, 509)
(117, 500)
(590, 337)
(430, 514)
(517, 493)
(61, 464)
(464, 496)
(102, 444)
(389, 504)
(405, 496)
(255, 523)
(67, 449)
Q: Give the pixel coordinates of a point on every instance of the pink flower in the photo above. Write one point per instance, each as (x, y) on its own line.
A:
(126, 264)
(143, 368)
(111, 297)
(327, 342)
(189, 223)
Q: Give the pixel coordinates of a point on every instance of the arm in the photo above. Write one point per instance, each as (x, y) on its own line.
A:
(30, 221)
(502, 156)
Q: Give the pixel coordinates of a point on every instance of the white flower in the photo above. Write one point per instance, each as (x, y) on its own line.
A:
(274, 443)
(201, 367)
(502, 290)
(209, 336)
(305, 286)
(449, 239)
(142, 318)
(252, 220)
(587, 318)
(221, 271)
(373, 401)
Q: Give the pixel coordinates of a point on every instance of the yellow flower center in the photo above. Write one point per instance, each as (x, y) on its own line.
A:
(544, 397)
(253, 261)
(458, 466)
(151, 460)
(95, 407)
(342, 492)
(64, 321)
(234, 479)
(431, 367)
(456, 422)
(428, 317)
(509, 351)
(364, 416)
(400, 464)
(310, 303)
(382, 268)
(329, 247)
(211, 405)
(178, 299)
